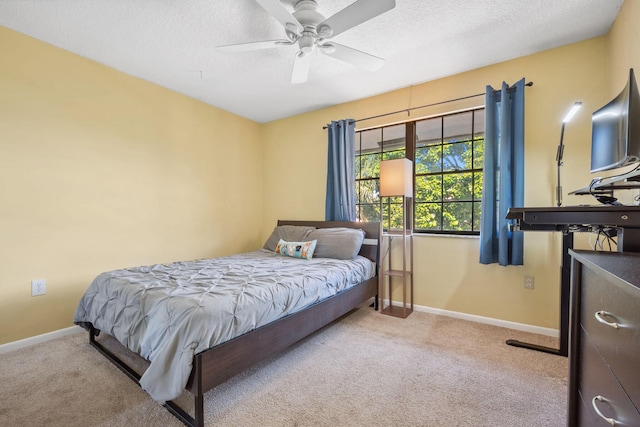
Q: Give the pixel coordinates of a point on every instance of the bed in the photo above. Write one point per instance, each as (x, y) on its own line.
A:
(227, 331)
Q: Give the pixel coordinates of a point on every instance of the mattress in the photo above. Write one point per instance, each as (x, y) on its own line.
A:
(168, 312)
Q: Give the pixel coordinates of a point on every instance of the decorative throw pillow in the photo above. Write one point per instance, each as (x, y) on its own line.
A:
(288, 233)
(337, 242)
(296, 249)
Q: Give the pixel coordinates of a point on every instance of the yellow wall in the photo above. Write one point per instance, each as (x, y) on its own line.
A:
(622, 45)
(100, 170)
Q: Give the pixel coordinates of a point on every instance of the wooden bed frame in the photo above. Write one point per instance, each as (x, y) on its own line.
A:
(220, 363)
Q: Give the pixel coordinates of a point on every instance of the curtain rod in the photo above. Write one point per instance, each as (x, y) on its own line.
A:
(428, 105)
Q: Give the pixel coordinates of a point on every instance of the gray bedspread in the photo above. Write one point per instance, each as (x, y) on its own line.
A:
(169, 312)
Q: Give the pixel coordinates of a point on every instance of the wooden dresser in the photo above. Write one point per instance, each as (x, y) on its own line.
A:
(604, 349)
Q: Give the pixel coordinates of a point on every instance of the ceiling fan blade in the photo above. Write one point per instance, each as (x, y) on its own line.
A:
(355, 14)
(245, 47)
(278, 11)
(301, 68)
(355, 57)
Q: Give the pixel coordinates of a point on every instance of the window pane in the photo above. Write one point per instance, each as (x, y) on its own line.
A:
(391, 213)
(456, 157)
(477, 214)
(369, 212)
(458, 186)
(370, 140)
(369, 191)
(393, 139)
(478, 152)
(393, 200)
(396, 154)
(429, 132)
(394, 134)
(428, 216)
(457, 216)
(369, 166)
(429, 159)
(478, 123)
(428, 188)
(458, 127)
(477, 186)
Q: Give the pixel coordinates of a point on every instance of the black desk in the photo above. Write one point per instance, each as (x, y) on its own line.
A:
(569, 219)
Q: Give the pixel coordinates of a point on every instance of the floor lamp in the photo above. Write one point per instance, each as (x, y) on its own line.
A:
(396, 180)
(560, 151)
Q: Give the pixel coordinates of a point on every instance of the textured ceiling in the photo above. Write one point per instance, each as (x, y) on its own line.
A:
(172, 43)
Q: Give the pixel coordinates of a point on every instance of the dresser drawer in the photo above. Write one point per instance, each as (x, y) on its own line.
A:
(595, 379)
(614, 302)
(584, 413)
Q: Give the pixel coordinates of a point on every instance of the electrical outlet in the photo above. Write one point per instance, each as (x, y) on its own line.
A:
(38, 287)
(528, 282)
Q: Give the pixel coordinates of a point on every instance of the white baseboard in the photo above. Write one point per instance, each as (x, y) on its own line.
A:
(490, 321)
(486, 320)
(27, 342)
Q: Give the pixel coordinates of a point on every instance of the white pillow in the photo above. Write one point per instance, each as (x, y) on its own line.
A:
(296, 249)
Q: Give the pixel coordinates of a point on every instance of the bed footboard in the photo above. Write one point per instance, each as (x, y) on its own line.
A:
(218, 364)
(232, 357)
(172, 407)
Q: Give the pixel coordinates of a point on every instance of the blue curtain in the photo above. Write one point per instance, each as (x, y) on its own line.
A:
(503, 169)
(341, 178)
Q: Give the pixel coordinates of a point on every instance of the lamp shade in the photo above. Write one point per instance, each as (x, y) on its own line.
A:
(396, 178)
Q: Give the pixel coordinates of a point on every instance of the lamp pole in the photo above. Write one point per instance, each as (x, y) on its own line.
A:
(576, 106)
(559, 154)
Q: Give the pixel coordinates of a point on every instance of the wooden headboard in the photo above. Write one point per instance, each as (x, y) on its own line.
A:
(371, 245)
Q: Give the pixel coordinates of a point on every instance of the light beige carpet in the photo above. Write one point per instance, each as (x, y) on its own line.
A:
(366, 369)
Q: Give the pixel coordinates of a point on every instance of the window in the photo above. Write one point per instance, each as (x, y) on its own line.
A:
(447, 153)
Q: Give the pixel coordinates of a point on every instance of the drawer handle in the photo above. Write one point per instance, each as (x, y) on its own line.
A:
(600, 317)
(600, 414)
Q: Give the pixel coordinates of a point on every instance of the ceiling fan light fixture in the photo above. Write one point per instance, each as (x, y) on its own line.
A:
(324, 31)
(306, 42)
(327, 48)
(292, 32)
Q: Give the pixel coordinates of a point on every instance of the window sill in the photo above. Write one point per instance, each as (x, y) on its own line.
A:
(448, 236)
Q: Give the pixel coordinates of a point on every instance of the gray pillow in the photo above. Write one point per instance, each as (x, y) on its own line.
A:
(288, 233)
(337, 242)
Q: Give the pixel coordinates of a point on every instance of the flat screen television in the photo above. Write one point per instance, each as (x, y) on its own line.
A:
(615, 136)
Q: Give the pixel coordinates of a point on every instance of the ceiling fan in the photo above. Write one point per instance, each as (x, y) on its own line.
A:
(310, 30)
